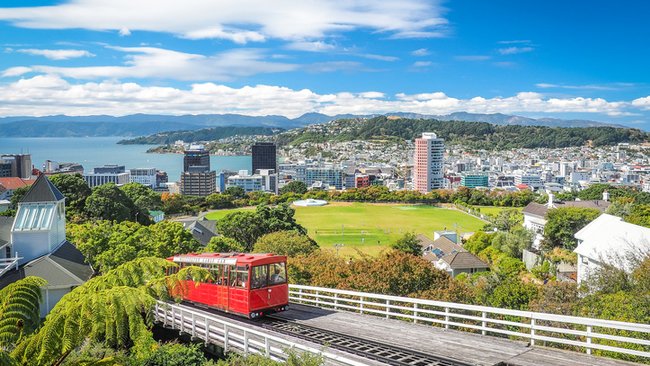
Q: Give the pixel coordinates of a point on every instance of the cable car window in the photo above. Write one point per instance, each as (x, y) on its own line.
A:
(218, 274)
(239, 277)
(259, 277)
(278, 274)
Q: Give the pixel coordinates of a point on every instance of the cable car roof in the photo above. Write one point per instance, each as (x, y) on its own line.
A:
(227, 258)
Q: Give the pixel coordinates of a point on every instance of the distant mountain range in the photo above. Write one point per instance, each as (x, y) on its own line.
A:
(146, 124)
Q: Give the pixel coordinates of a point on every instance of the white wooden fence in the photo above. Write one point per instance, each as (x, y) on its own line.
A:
(553, 330)
(236, 336)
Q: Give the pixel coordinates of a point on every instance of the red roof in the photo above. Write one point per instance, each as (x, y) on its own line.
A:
(12, 183)
(228, 258)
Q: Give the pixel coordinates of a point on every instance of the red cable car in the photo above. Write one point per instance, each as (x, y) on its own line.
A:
(249, 285)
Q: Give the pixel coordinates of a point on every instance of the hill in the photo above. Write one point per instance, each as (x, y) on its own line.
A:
(480, 135)
(146, 124)
(205, 134)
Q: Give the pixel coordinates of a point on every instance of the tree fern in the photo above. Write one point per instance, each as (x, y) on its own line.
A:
(113, 309)
(19, 309)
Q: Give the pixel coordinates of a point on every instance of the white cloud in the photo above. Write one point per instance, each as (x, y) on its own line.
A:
(473, 58)
(515, 50)
(56, 54)
(15, 71)
(421, 63)
(378, 57)
(124, 32)
(314, 46)
(158, 63)
(50, 94)
(226, 19)
(420, 52)
(615, 86)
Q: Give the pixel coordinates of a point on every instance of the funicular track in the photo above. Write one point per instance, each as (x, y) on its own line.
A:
(368, 349)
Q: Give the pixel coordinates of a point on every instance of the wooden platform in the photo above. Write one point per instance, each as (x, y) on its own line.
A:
(467, 347)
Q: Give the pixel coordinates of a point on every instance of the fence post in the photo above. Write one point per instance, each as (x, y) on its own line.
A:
(532, 331)
(318, 298)
(483, 323)
(267, 347)
(336, 301)
(193, 326)
(182, 327)
(588, 339)
(361, 304)
(387, 309)
(207, 331)
(225, 339)
(415, 312)
(446, 318)
(300, 294)
(245, 343)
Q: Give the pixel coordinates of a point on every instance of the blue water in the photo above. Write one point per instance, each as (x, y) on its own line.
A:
(96, 151)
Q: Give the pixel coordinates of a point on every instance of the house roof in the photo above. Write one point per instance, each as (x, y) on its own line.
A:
(611, 240)
(461, 260)
(538, 209)
(42, 191)
(70, 258)
(204, 230)
(12, 183)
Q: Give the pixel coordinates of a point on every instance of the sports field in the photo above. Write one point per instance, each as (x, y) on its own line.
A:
(372, 227)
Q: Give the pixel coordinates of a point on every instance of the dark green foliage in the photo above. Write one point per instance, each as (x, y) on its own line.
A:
(562, 224)
(221, 244)
(75, 190)
(108, 202)
(19, 309)
(478, 242)
(18, 195)
(235, 191)
(174, 354)
(409, 244)
(477, 135)
(142, 196)
(247, 227)
(294, 187)
(289, 243)
(206, 134)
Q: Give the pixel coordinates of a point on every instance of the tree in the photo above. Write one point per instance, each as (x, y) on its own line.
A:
(512, 294)
(19, 310)
(143, 197)
(478, 242)
(18, 195)
(295, 186)
(288, 242)
(562, 224)
(514, 242)
(235, 191)
(409, 244)
(221, 244)
(506, 220)
(75, 189)
(247, 226)
(107, 244)
(219, 200)
(639, 215)
(108, 202)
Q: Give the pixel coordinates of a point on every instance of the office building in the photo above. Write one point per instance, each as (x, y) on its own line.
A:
(94, 180)
(5, 169)
(428, 163)
(161, 178)
(144, 176)
(265, 180)
(197, 179)
(109, 169)
(264, 156)
(531, 180)
(473, 180)
(20, 165)
(196, 156)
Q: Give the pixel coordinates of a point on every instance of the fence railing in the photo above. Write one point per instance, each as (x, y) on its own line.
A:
(233, 336)
(561, 331)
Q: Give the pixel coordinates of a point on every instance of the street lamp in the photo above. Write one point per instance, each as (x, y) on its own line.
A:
(338, 246)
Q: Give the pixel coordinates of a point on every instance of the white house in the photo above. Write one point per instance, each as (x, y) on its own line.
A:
(37, 245)
(609, 240)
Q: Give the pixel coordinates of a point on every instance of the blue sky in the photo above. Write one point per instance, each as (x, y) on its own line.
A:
(566, 59)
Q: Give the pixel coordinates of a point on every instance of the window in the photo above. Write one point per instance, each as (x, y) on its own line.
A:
(220, 274)
(278, 274)
(259, 277)
(239, 277)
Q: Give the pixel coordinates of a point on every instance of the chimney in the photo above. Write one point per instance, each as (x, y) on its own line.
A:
(605, 196)
(551, 198)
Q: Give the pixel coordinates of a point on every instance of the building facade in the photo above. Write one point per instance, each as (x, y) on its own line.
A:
(20, 165)
(197, 179)
(264, 156)
(109, 169)
(473, 180)
(144, 176)
(196, 156)
(428, 163)
(94, 180)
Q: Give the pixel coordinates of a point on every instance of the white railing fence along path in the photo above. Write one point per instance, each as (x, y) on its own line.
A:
(233, 336)
(560, 331)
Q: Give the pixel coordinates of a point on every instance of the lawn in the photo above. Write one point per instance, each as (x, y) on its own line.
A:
(372, 227)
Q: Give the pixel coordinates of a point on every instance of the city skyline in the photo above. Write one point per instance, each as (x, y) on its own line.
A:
(432, 57)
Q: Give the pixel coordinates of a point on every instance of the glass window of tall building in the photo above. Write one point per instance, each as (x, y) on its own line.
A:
(264, 156)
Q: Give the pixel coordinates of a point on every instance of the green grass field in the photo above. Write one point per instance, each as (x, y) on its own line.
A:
(372, 227)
